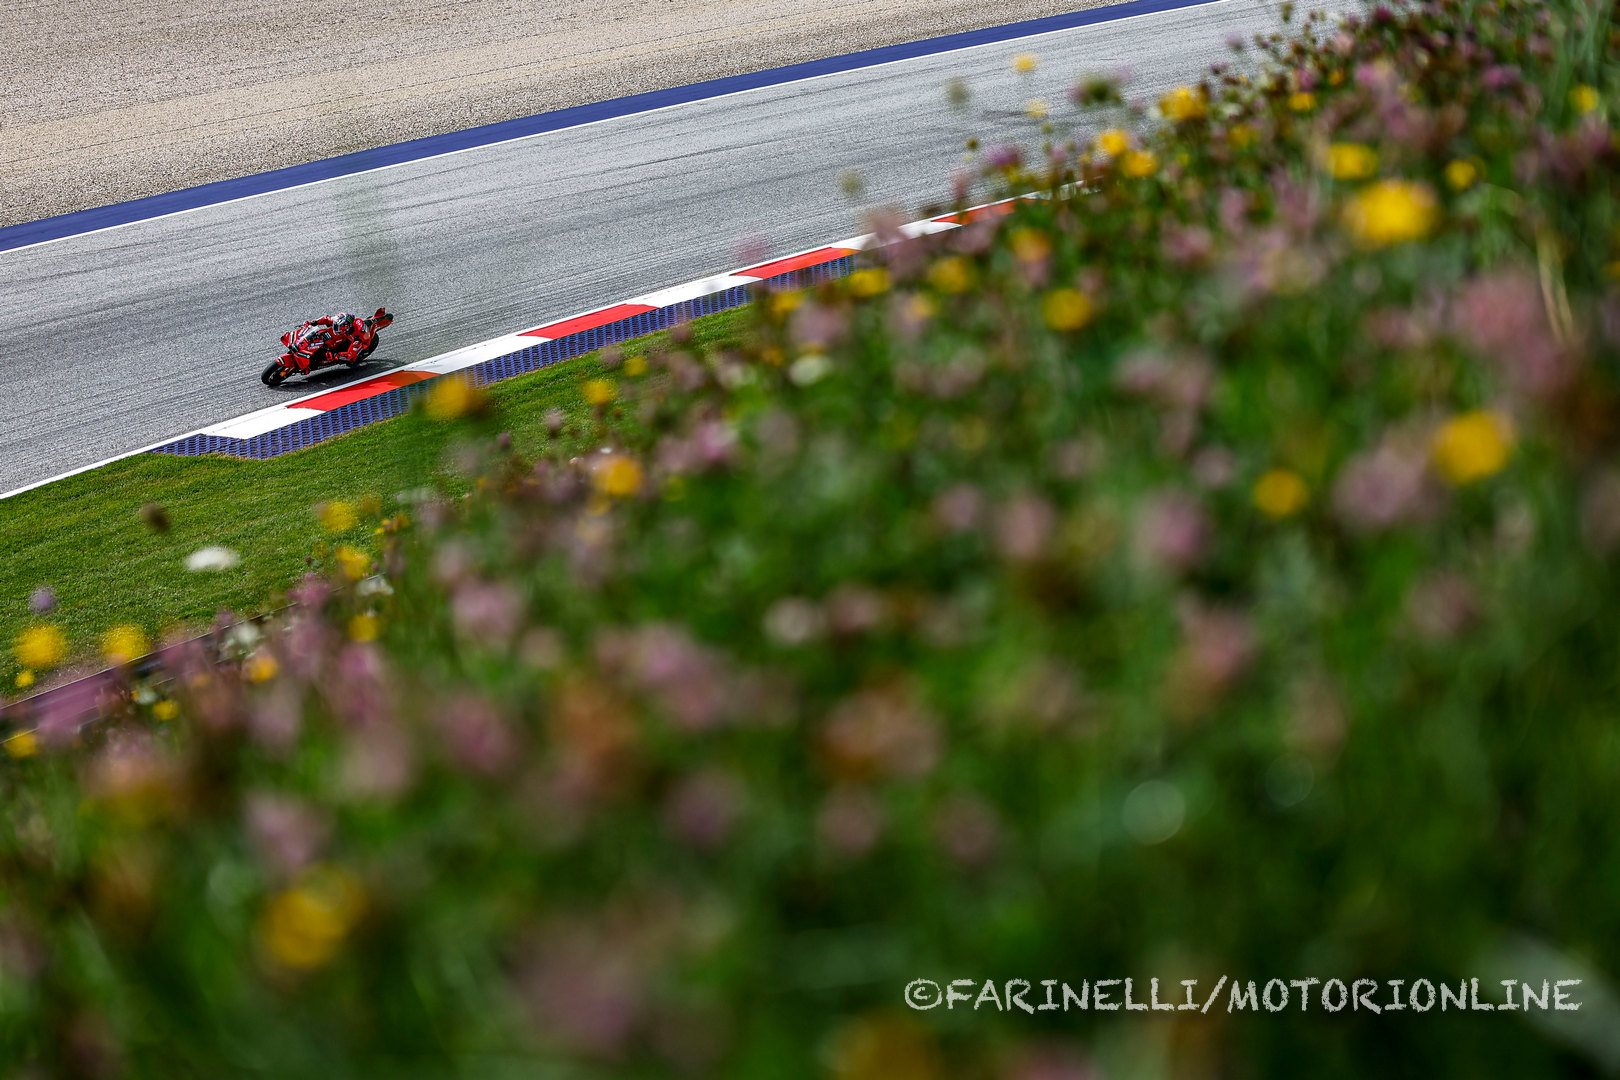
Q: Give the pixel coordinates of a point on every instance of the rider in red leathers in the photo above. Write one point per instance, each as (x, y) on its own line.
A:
(351, 337)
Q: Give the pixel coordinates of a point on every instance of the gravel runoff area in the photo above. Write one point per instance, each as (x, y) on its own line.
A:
(120, 100)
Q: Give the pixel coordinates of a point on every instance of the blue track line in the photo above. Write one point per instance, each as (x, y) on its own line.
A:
(221, 191)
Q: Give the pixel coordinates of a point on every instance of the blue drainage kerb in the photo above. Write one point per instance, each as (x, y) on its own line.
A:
(317, 429)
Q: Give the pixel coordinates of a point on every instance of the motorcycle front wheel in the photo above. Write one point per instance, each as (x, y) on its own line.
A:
(274, 375)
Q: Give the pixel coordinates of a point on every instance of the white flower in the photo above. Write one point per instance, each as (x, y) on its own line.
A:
(242, 638)
(735, 376)
(808, 369)
(212, 557)
(375, 585)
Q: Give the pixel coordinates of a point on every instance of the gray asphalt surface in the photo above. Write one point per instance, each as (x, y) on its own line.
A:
(146, 96)
(118, 339)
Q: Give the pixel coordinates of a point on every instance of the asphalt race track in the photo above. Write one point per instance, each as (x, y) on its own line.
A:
(118, 339)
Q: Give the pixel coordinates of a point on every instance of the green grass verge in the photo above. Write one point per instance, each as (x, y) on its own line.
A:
(84, 537)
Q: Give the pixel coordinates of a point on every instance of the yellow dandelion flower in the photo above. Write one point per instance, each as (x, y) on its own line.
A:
(869, 281)
(453, 397)
(1031, 245)
(365, 627)
(165, 711)
(1460, 175)
(1302, 101)
(303, 927)
(1335, 78)
(1024, 63)
(40, 647)
(1472, 446)
(1035, 109)
(598, 392)
(784, 304)
(1240, 136)
(1351, 161)
(1390, 212)
(262, 667)
(355, 563)
(1183, 103)
(919, 307)
(1067, 309)
(635, 366)
(336, 517)
(25, 679)
(24, 744)
(952, 275)
(1113, 142)
(619, 476)
(1280, 493)
(123, 643)
(1139, 164)
(1584, 98)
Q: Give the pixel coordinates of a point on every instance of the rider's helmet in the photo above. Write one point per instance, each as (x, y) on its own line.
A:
(343, 322)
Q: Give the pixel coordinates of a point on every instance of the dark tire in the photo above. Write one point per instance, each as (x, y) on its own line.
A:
(274, 375)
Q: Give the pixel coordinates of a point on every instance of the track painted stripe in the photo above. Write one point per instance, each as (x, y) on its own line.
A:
(587, 322)
(117, 215)
(978, 213)
(370, 388)
(258, 423)
(926, 228)
(797, 262)
(471, 355)
(677, 294)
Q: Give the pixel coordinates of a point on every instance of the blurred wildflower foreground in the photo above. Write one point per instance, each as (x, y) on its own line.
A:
(1208, 568)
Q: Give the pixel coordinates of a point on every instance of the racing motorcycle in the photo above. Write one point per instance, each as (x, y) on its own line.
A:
(321, 346)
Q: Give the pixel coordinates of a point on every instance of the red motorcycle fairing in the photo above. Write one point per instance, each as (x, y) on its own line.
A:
(319, 347)
(310, 341)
